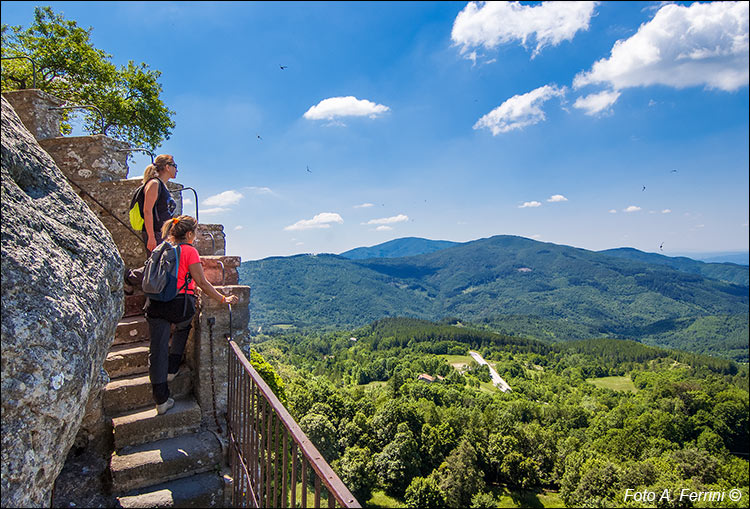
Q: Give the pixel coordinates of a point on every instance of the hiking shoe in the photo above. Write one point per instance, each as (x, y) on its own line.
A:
(162, 409)
(171, 376)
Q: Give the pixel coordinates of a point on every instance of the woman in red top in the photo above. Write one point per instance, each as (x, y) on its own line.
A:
(163, 360)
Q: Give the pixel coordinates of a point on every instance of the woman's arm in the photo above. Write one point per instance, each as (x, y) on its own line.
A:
(150, 195)
(196, 272)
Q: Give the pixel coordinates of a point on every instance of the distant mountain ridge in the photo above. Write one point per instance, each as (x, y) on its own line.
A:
(397, 248)
(512, 285)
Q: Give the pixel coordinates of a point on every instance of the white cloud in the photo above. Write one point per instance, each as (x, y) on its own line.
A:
(666, 211)
(632, 208)
(519, 111)
(259, 190)
(701, 44)
(349, 106)
(529, 204)
(383, 228)
(490, 24)
(556, 198)
(238, 227)
(223, 199)
(214, 210)
(322, 220)
(597, 103)
(612, 211)
(364, 206)
(389, 220)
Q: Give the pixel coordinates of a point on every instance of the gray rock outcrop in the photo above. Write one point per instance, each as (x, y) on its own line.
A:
(61, 301)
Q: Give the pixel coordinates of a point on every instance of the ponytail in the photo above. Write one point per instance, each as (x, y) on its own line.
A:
(153, 169)
(178, 227)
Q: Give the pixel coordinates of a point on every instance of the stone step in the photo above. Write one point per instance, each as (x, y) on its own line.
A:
(132, 329)
(164, 460)
(134, 305)
(201, 490)
(127, 359)
(144, 425)
(134, 391)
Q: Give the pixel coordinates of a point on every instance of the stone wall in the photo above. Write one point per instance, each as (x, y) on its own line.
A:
(33, 108)
(207, 346)
(61, 300)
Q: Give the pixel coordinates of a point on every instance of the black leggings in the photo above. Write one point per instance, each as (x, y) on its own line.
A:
(164, 358)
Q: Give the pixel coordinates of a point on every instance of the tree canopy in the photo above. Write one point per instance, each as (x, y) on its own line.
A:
(70, 67)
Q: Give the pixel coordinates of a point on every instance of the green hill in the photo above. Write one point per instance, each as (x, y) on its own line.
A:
(407, 246)
(509, 284)
(729, 272)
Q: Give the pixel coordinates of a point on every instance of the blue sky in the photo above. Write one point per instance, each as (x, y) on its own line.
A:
(447, 120)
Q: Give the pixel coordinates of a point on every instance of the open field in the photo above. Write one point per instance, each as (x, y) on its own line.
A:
(616, 383)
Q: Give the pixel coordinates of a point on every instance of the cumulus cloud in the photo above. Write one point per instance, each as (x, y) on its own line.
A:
(383, 228)
(364, 206)
(556, 198)
(389, 220)
(632, 208)
(238, 227)
(322, 220)
(519, 111)
(259, 190)
(223, 199)
(530, 204)
(612, 211)
(489, 24)
(594, 104)
(666, 211)
(682, 46)
(214, 210)
(349, 106)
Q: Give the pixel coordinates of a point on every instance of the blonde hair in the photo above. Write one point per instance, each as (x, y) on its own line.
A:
(153, 169)
(178, 227)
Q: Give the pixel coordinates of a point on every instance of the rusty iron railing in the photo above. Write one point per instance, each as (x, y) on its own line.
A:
(270, 456)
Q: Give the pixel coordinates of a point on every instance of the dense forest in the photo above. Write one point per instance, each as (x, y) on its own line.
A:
(515, 286)
(562, 435)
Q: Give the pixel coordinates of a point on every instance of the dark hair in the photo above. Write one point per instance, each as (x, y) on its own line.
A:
(178, 227)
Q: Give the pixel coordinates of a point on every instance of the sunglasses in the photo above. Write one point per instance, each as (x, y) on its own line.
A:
(172, 164)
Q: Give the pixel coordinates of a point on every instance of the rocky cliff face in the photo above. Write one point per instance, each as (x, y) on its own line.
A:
(61, 301)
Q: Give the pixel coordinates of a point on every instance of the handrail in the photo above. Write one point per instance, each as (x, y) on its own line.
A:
(194, 192)
(336, 488)
(33, 66)
(138, 149)
(127, 227)
(85, 107)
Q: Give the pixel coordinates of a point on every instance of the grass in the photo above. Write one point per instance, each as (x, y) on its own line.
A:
(527, 498)
(456, 360)
(615, 383)
(380, 499)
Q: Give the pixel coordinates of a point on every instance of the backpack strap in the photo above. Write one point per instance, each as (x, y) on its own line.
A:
(188, 277)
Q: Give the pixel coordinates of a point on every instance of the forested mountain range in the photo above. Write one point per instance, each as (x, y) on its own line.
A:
(407, 246)
(515, 286)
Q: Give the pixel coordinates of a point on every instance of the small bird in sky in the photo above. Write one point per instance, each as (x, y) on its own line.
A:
(282, 67)
(308, 170)
(673, 171)
(661, 246)
(258, 135)
(644, 188)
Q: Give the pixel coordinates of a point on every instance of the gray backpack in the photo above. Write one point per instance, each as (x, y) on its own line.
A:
(160, 273)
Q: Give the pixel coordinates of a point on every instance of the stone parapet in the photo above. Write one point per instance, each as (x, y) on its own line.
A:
(33, 108)
(97, 158)
(210, 240)
(221, 270)
(208, 343)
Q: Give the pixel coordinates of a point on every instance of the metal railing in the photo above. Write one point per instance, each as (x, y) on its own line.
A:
(273, 463)
(33, 66)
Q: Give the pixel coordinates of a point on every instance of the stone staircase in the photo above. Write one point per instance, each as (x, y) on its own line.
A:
(167, 460)
(170, 460)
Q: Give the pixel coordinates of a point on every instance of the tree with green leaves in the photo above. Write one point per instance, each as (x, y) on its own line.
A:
(459, 476)
(70, 67)
(424, 493)
(356, 470)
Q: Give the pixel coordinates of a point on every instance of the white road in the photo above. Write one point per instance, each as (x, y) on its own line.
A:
(499, 382)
